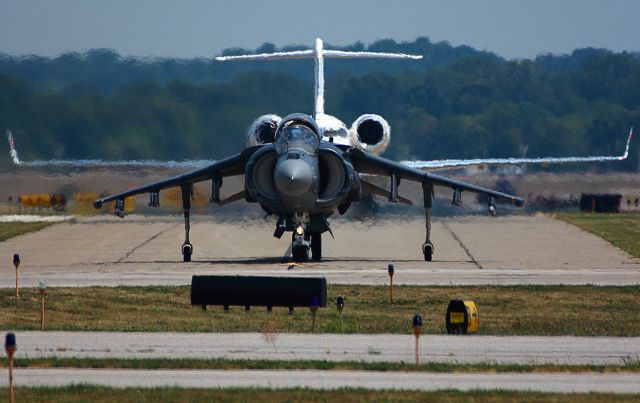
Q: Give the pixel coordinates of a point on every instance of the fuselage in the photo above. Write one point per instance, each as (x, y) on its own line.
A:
(301, 175)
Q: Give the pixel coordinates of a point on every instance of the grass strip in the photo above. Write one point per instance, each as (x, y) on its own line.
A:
(504, 310)
(621, 230)
(13, 229)
(103, 363)
(96, 394)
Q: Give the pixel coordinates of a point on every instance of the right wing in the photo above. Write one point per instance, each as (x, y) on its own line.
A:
(230, 166)
(366, 163)
(445, 164)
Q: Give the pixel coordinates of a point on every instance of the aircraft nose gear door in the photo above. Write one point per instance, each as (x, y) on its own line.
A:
(427, 246)
(187, 248)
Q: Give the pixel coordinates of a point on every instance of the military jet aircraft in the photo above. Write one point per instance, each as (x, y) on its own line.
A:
(302, 169)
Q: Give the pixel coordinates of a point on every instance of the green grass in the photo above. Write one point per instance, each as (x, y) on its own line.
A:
(622, 230)
(162, 363)
(13, 229)
(97, 394)
(503, 310)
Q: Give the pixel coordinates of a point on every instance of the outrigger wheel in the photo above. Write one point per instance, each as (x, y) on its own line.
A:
(187, 251)
(427, 250)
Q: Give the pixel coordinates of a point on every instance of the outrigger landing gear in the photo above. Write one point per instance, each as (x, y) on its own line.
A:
(427, 246)
(187, 248)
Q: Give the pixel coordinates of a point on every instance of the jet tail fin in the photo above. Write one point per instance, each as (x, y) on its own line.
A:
(319, 53)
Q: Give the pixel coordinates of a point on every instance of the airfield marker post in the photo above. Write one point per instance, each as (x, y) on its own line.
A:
(315, 304)
(10, 347)
(391, 271)
(16, 264)
(340, 306)
(42, 289)
(417, 329)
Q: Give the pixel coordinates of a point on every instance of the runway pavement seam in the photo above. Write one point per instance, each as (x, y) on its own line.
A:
(132, 251)
(462, 245)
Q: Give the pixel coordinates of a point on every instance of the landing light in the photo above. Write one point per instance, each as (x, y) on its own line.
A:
(299, 230)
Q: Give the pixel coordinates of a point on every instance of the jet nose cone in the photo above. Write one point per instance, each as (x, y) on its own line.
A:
(293, 177)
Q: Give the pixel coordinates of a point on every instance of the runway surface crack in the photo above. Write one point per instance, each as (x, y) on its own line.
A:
(132, 251)
(463, 246)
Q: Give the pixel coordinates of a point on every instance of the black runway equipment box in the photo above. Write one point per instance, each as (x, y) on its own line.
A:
(258, 291)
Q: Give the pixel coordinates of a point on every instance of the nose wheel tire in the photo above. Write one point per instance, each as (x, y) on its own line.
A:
(427, 251)
(300, 253)
(187, 251)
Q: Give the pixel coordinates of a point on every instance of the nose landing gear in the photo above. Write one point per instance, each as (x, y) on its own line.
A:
(300, 245)
(303, 242)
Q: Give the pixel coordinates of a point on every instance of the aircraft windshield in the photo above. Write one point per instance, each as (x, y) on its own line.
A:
(297, 136)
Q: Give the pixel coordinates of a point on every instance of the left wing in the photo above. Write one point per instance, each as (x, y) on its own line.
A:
(230, 166)
(367, 163)
(450, 163)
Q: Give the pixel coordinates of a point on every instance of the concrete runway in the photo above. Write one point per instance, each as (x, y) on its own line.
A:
(145, 250)
(315, 379)
(566, 350)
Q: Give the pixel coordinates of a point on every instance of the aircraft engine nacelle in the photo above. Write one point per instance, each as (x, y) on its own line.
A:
(263, 130)
(370, 133)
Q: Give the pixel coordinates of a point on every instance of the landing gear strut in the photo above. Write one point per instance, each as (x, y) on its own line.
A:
(427, 246)
(316, 246)
(187, 248)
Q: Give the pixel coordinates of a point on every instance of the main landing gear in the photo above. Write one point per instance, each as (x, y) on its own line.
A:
(187, 248)
(427, 246)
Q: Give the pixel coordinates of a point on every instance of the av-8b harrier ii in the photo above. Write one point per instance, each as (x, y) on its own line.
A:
(302, 168)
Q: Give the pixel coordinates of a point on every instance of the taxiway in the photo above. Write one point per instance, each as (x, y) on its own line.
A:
(145, 250)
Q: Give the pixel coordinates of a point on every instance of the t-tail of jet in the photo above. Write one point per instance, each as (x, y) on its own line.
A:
(319, 53)
(369, 132)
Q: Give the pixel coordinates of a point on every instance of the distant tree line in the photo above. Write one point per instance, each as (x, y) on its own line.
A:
(456, 103)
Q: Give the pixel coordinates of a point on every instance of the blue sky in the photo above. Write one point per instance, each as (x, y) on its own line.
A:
(198, 28)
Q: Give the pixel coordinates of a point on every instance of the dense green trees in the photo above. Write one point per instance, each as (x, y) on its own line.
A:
(456, 103)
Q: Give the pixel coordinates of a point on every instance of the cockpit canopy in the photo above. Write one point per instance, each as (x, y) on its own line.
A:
(298, 132)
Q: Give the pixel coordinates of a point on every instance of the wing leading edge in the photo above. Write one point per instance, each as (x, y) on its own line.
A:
(230, 166)
(452, 163)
